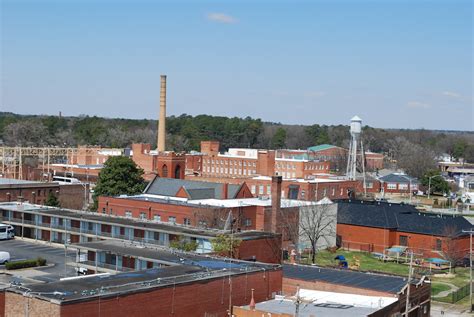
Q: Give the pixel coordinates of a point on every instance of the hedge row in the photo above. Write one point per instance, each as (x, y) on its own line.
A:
(25, 263)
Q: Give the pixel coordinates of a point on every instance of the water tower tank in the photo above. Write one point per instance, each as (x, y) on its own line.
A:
(356, 124)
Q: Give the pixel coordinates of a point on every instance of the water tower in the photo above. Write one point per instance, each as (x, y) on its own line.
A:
(354, 147)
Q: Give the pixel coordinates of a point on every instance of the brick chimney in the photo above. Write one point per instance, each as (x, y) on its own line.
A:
(225, 190)
(162, 121)
(276, 201)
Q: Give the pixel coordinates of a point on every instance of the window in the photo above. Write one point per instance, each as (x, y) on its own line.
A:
(302, 194)
(439, 245)
(403, 241)
(172, 219)
(391, 186)
(128, 214)
(252, 190)
(333, 192)
(369, 185)
(403, 186)
(269, 189)
(143, 215)
(247, 222)
(187, 221)
(157, 218)
(260, 190)
(103, 210)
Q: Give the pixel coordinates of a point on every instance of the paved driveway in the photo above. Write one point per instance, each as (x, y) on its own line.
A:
(21, 249)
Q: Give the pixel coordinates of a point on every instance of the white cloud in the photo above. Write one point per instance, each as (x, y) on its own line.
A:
(417, 104)
(451, 94)
(221, 18)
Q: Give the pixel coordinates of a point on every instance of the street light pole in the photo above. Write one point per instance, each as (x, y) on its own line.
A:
(470, 267)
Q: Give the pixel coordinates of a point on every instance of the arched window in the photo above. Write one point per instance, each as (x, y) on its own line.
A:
(164, 171)
(177, 172)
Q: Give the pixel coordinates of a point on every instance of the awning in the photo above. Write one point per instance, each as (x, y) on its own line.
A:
(437, 261)
(396, 249)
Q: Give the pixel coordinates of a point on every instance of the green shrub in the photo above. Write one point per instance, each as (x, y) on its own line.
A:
(25, 264)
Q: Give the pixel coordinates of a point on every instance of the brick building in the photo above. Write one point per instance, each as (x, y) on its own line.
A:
(202, 204)
(360, 283)
(56, 225)
(377, 226)
(164, 164)
(398, 183)
(69, 195)
(195, 287)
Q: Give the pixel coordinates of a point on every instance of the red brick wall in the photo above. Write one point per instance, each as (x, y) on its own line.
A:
(2, 303)
(41, 191)
(194, 299)
(267, 250)
(377, 239)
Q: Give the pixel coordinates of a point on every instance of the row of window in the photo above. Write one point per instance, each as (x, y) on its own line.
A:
(156, 217)
(402, 186)
(230, 162)
(225, 170)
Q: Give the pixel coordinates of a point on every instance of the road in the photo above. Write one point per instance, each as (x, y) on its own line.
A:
(20, 250)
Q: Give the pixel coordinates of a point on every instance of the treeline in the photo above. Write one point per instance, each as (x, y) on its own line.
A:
(413, 150)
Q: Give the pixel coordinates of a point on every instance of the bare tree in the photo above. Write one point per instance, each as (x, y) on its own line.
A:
(317, 226)
(213, 217)
(451, 250)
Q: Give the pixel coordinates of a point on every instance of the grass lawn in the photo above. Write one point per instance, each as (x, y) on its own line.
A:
(460, 279)
(437, 287)
(367, 262)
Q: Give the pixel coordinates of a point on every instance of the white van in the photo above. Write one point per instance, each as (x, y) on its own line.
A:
(4, 257)
(6, 231)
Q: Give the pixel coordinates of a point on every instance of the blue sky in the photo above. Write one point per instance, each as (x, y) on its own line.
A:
(396, 64)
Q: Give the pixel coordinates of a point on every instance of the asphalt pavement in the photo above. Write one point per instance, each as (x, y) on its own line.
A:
(55, 257)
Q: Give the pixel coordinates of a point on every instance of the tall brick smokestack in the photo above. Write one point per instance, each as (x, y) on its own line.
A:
(276, 201)
(162, 121)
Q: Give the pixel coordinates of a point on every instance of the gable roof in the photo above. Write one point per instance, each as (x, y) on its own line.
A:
(195, 189)
(321, 147)
(398, 178)
(403, 218)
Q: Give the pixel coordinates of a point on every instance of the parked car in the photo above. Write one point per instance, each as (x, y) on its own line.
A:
(4, 257)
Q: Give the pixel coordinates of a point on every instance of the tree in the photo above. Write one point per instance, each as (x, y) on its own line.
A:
(317, 226)
(119, 176)
(225, 244)
(184, 245)
(279, 139)
(459, 149)
(438, 184)
(452, 250)
(52, 200)
(414, 159)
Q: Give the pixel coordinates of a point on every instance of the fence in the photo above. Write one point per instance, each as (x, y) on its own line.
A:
(456, 295)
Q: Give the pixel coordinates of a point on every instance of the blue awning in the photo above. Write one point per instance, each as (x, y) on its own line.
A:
(437, 261)
(396, 249)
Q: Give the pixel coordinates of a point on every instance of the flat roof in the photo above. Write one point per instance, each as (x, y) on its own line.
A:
(166, 255)
(327, 304)
(130, 222)
(12, 181)
(242, 202)
(103, 286)
(371, 281)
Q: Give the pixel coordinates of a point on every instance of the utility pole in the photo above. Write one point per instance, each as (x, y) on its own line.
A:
(407, 301)
(470, 266)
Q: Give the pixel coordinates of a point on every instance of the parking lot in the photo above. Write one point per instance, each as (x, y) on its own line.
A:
(55, 257)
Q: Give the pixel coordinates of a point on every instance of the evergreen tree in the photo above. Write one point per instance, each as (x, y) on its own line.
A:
(120, 176)
(52, 200)
(279, 139)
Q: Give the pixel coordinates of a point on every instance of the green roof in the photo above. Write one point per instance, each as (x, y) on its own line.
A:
(320, 147)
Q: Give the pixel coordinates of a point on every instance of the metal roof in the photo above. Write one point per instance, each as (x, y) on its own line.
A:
(321, 147)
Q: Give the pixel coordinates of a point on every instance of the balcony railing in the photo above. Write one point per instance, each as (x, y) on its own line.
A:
(107, 266)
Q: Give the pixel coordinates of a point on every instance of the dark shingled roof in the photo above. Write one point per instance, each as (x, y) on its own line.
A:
(196, 189)
(376, 282)
(405, 218)
(398, 178)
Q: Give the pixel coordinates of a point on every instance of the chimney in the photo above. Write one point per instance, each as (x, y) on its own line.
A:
(225, 190)
(252, 302)
(162, 120)
(276, 201)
